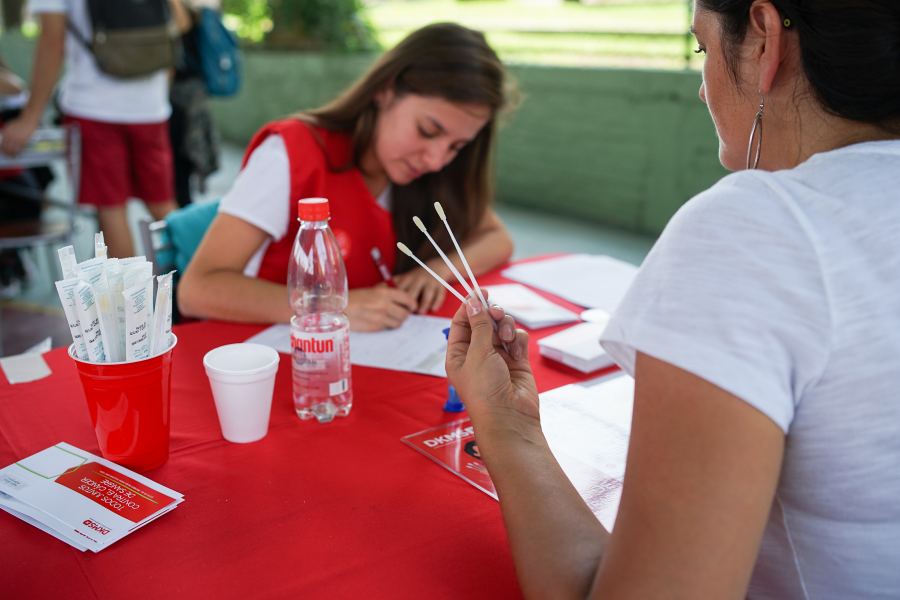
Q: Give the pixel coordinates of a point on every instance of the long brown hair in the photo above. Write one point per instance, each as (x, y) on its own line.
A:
(447, 61)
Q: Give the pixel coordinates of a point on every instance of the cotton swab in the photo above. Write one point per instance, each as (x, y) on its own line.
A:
(409, 253)
(459, 277)
(440, 212)
(462, 257)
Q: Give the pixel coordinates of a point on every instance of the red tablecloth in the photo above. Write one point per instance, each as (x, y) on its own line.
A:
(342, 510)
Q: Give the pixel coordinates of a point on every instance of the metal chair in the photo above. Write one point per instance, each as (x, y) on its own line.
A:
(46, 146)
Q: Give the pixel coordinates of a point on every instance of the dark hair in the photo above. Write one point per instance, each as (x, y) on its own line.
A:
(850, 52)
(443, 60)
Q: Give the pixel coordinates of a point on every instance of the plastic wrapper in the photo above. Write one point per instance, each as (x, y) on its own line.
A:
(66, 289)
(90, 322)
(138, 318)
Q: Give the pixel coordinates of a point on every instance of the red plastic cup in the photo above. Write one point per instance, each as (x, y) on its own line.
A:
(129, 406)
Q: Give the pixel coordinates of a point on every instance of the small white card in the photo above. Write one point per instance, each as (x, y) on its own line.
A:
(528, 307)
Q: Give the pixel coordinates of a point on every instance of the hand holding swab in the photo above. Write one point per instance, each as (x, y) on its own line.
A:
(409, 253)
(453, 270)
(462, 257)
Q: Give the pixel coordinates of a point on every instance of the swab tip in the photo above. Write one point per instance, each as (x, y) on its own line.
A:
(404, 249)
(440, 211)
(419, 224)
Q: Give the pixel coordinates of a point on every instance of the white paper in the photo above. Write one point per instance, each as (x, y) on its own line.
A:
(24, 368)
(64, 513)
(583, 279)
(417, 346)
(527, 307)
(588, 429)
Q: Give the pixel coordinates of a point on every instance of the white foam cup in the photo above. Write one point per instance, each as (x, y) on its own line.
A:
(242, 378)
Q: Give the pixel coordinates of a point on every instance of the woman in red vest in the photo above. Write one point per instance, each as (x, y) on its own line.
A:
(417, 128)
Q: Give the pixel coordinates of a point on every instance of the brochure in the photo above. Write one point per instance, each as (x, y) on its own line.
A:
(587, 427)
(81, 499)
(529, 308)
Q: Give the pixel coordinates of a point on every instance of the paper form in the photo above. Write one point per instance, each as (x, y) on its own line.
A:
(583, 279)
(417, 346)
(588, 429)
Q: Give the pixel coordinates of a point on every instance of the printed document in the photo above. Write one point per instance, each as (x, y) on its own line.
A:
(583, 279)
(417, 346)
(81, 499)
(529, 308)
(587, 427)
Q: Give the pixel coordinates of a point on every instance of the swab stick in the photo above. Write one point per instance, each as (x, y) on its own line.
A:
(459, 277)
(462, 257)
(440, 212)
(409, 253)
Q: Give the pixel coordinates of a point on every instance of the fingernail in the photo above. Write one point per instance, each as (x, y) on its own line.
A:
(473, 307)
(506, 332)
(517, 352)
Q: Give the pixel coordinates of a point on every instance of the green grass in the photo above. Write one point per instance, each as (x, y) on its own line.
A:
(570, 34)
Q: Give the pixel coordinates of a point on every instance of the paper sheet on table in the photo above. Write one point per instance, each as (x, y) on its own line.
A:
(529, 308)
(417, 346)
(583, 279)
(24, 368)
(587, 429)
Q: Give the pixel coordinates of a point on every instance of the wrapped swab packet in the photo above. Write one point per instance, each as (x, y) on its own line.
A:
(109, 328)
(138, 317)
(99, 246)
(67, 261)
(66, 289)
(90, 322)
(162, 320)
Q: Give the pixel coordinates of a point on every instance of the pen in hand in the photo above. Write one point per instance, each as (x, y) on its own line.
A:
(382, 268)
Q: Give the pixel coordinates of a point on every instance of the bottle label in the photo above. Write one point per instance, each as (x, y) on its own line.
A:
(321, 361)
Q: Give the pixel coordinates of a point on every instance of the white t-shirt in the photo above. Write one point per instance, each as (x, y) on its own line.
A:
(261, 195)
(784, 289)
(88, 93)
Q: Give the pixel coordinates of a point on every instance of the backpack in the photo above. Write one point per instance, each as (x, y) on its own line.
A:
(220, 57)
(131, 38)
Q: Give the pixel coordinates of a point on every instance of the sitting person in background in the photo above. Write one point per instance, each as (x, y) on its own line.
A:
(417, 128)
(763, 333)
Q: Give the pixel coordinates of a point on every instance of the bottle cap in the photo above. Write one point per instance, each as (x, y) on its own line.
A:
(313, 209)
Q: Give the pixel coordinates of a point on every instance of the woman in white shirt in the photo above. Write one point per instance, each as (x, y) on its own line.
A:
(763, 332)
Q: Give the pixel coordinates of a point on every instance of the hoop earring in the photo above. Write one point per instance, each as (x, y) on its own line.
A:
(756, 123)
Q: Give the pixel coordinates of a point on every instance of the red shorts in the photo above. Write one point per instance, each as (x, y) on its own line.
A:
(124, 160)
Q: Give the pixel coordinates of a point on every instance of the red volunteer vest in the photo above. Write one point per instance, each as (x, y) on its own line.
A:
(358, 222)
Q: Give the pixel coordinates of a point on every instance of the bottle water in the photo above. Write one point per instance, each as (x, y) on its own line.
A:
(320, 331)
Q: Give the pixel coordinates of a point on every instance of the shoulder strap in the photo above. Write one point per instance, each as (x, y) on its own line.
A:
(78, 36)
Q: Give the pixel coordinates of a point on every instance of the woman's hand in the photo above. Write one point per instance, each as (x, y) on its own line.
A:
(490, 381)
(427, 290)
(379, 307)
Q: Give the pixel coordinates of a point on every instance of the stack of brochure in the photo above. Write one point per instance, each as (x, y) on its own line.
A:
(529, 308)
(578, 347)
(84, 500)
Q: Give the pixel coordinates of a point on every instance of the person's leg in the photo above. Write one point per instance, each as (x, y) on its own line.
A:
(115, 219)
(152, 169)
(106, 181)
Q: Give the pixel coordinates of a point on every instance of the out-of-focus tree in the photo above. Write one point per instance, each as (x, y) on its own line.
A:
(301, 24)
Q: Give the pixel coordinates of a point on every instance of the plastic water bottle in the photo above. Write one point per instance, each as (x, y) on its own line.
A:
(320, 331)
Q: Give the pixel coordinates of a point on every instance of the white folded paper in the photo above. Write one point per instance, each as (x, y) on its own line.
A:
(81, 499)
(578, 347)
(527, 307)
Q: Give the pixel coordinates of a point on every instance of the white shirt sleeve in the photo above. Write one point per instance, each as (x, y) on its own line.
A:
(48, 6)
(261, 192)
(261, 195)
(732, 292)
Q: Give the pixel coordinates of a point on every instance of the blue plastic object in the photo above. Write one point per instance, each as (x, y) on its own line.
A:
(453, 404)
